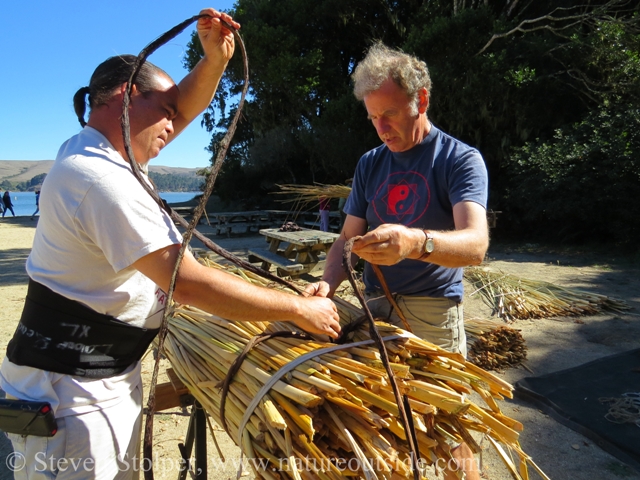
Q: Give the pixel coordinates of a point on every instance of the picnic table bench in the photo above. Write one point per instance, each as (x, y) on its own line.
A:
(300, 252)
(268, 258)
(186, 212)
(241, 222)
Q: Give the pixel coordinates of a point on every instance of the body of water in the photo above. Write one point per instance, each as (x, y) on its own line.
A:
(178, 197)
(24, 203)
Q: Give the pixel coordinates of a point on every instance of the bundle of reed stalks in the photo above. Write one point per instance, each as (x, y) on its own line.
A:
(311, 193)
(493, 345)
(310, 409)
(512, 297)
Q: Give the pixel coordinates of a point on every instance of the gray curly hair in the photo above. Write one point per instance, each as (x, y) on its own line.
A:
(382, 63)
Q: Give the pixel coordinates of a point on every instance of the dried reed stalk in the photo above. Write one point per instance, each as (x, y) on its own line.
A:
(493, 345)
(513, 298)
(305, 194)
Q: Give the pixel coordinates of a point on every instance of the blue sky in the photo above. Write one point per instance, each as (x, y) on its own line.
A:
(50, 49)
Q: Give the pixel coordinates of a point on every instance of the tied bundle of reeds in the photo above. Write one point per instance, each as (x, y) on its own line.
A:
(309, 409)
(311, 193)
(493, 345)
(512, 297)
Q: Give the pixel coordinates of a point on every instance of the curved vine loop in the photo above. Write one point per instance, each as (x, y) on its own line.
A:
(190, 227)
(401, 400)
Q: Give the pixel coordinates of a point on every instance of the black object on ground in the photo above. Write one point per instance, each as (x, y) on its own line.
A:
(574, 397)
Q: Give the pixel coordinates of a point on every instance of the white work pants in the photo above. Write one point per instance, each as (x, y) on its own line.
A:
(99, 445)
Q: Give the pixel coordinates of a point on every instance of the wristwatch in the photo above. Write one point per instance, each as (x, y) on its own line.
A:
(428, 246)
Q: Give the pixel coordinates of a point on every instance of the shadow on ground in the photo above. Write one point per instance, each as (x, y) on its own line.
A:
(12, 266)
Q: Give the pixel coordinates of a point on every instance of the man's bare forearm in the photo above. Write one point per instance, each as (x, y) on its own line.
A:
(334, 273)
(199, 86)
(391, 243)
(456, 248)
(197, 90)
(233, 298)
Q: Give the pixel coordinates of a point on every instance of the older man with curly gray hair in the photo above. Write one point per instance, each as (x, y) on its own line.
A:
(409, 73)
(417, 208)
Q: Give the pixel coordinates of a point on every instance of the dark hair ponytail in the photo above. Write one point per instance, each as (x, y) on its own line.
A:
(80, 104)
(109, 75)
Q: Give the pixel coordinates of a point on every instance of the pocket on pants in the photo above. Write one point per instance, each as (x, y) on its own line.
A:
(37, 458)
(436, 320)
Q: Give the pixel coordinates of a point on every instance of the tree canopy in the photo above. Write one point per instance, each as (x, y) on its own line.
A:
(522, 81)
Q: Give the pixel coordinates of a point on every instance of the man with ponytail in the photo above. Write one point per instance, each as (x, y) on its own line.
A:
(102, 260)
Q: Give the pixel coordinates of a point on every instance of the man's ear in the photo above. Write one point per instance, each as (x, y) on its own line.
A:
(123, 89)
(423, 100)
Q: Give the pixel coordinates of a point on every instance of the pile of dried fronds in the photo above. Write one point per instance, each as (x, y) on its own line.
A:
(493, 345)
(513, 298)
(333, 414)
(305, 194)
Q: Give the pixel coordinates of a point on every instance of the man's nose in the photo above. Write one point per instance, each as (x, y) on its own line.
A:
(169, 127)
(382, 126)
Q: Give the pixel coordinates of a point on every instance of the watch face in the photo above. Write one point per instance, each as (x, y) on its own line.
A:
(429, 246)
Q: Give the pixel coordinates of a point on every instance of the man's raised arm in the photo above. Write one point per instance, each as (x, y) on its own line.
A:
(199, 86)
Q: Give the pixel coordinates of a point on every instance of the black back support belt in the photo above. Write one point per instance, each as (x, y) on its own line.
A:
(64, 336)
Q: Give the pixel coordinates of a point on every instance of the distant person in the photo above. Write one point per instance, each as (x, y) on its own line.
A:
(342, 202)
(37, 204)
(324, 213)
(8, 205)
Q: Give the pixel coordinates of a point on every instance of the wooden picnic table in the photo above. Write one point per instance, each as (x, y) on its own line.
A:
(294, 253)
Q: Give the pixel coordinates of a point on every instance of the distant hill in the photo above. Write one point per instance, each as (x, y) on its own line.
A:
(24, 175)
(24, 170)
(189, 172)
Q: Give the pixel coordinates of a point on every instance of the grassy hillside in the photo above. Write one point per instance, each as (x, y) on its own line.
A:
(24, 170)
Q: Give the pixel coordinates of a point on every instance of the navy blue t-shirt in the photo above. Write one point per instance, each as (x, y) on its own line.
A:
(418, 188)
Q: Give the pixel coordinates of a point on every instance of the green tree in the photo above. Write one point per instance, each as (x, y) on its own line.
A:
(581, 185)
(505, 73)
(169, 182)
(301, 123)
(503, 78)
(37, 180)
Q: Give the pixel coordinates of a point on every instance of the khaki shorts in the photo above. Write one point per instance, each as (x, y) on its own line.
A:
(437, 320)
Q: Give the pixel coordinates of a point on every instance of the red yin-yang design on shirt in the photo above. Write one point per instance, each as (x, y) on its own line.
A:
(402, 198)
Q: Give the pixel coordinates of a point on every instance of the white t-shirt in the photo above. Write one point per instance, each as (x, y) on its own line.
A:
(96, 220)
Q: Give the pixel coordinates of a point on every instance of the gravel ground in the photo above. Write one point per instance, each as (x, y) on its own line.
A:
(553, 345)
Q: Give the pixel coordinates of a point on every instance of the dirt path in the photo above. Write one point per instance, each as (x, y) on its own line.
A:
(553, 345)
